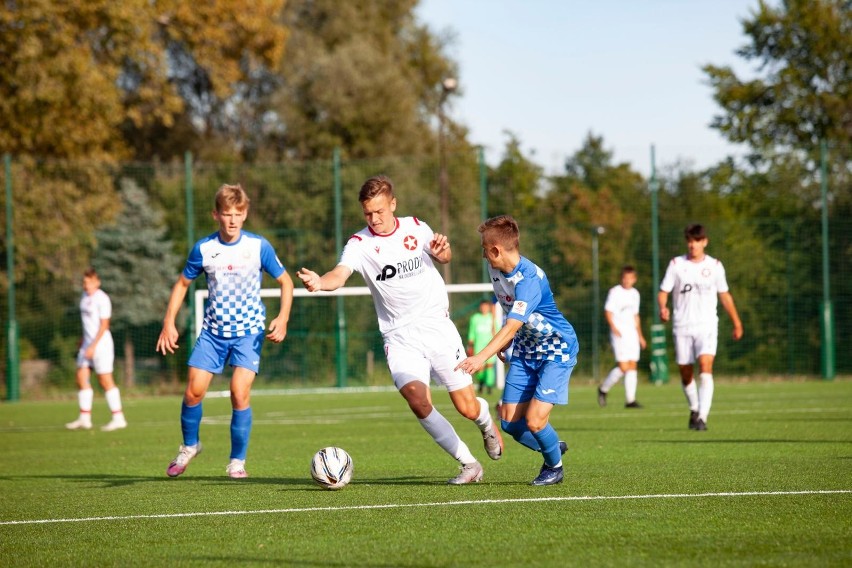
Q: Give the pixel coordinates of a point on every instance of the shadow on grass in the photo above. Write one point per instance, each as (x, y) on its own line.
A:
(285, 483)
(746, 441)
(242, 560)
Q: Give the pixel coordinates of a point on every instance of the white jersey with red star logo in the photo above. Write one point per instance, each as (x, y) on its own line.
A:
(399, 271)
(695, 287)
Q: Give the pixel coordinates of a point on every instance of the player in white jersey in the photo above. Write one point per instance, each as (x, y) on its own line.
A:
(96, 351)
(544, 347)
(625, 335)
(233, 261)
(395, 256)
(695, 280)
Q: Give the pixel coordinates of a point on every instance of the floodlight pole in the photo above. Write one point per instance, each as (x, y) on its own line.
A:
(448, 86)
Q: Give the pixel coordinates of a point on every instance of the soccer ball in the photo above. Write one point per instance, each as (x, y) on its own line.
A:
(332, 468)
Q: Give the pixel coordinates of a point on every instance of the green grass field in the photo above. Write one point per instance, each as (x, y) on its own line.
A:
(770, 483)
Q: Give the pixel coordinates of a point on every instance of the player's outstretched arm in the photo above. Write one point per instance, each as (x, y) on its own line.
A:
(331, 280)
(475, 363)
(278, 326)
(167, 343)
(439, 248)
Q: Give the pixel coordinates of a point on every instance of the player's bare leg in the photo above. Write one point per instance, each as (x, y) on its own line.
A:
(476, 409)
(419, 399)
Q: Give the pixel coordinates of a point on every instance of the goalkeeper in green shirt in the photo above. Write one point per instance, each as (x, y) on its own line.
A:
(483, 326)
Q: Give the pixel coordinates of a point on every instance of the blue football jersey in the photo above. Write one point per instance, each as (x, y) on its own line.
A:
(234, 275)
(525, 295)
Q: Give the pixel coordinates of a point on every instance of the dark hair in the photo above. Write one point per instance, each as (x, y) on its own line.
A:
(90, 272)
(627, 269)
(502, 230)
(695, 232)
(376, 186)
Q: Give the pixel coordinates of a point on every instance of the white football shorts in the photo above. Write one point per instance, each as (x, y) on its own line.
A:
(104, 357)
(625, 348)
(427, 349)
(688, 347)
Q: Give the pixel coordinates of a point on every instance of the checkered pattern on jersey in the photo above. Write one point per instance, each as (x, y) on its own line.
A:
(234, 308)
(538, 340)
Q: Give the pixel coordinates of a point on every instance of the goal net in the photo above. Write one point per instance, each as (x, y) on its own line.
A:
(333, 338)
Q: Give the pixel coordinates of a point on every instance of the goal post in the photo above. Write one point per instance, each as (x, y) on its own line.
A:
(336, 313)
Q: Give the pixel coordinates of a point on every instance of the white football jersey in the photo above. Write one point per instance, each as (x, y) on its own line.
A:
(399, 271)
(623, 304)
(93, 309)
(695, 287)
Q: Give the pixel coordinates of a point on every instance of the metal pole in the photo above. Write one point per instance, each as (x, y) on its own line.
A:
(827, 311)
(190, 233)
(13, 364)
(448, 85)
(596, 302)
(341, 346)
(483, 200)
(659, 363)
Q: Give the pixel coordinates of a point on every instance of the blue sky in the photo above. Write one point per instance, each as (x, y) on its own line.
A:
(551, 71)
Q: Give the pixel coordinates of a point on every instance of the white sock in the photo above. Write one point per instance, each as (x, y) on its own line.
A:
(631, 378)
(484, 420)
(611, 379)
(691, 392)
(705, 395)
(113, 398)
(445, 436)
(85, 398)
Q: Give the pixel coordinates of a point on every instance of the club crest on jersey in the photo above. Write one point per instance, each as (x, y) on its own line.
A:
(410, 242)
(706, 273)
(519, 307)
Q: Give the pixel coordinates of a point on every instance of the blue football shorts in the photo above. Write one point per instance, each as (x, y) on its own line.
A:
(543, 379)
(211, 352)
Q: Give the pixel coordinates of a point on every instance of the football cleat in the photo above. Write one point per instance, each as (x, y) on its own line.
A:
(549, 476)
(236, 469)
(634, 404)
(185, 455)
(700, 425)
(114, 424)
(693, 419)
(470, 473)
(80, 424)
(601, 398)
(493, 442)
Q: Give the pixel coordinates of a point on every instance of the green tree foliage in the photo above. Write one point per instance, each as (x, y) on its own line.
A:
(802, 91)
(86, 78)
(137, 267)
(359, 75)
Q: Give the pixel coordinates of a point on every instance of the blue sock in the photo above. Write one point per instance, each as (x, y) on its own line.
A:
(548, 440)
(190, 422)
(519, 431)
(240, 430)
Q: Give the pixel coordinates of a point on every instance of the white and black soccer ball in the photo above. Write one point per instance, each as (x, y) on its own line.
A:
(332, 468)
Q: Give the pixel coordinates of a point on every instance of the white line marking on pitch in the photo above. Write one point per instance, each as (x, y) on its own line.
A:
(440, 504)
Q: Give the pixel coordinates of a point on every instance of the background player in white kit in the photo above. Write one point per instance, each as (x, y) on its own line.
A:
(96, 351)
(695, 279)
(625, 334)
(395, 256)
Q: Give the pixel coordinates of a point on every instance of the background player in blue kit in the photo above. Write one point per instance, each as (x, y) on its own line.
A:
(544, 351)
(233, 330)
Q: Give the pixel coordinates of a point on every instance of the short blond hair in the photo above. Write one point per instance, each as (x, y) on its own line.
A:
(501, 230)
(232, 196)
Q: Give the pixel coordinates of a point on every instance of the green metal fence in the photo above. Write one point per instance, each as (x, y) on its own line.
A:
(307, 209)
